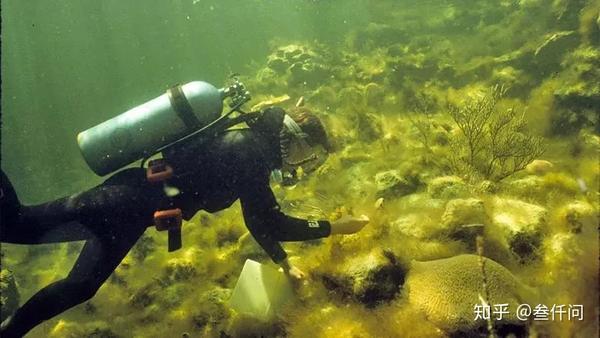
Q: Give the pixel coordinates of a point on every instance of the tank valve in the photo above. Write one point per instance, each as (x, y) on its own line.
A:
(237, 93)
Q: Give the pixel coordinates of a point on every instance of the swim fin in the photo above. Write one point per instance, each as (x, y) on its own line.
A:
(9, 202)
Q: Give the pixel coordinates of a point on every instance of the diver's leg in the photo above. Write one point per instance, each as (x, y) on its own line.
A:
(80, 216)
(98, 259)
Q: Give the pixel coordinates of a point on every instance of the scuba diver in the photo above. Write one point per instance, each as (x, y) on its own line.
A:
(203, 173)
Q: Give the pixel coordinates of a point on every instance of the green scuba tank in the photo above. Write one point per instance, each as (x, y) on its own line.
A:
(138, 132)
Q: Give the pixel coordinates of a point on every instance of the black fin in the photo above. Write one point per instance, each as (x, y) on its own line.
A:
(9, 202)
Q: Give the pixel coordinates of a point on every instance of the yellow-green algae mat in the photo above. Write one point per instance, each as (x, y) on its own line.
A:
(447, 290)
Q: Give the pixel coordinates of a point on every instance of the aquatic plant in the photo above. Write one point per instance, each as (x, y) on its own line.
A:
(492, 144)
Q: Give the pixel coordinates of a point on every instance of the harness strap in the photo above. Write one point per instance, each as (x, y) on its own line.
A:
(182, 107)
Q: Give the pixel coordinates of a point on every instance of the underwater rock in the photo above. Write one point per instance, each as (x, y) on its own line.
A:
(368, 127)
(351, 97)
(278, 64)
(374, 95)
(307, 74)
(352, 155)
(371, 279)
(447, 290)
(587, 142)
(446, 187)
(377, 35)
(523, 226)
(412, 225)
(539, 167)
(579, 94)
(539, 187)
(549, 54)
(9, 294)
(248, 248)
(183, 268)
(487, 186)
(514, 79)
(266, 76)
(143, 247)
(578, 216)
(463, 212)
(324, 95)
(531, 185)
(464, 220)
(285, 56)
(390, 184)
(64, 329)
(145, 296)
(101, 333)
(212, 307)
(418, 67)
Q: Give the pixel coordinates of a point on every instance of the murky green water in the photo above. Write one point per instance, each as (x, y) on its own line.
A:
(393, 81)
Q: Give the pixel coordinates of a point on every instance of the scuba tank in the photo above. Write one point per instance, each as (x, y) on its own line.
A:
(182, 113)
(142, 131)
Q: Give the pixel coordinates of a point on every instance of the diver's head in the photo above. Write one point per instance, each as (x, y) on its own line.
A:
(304, 141)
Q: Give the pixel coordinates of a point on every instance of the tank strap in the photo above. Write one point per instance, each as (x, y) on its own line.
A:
(182, 107)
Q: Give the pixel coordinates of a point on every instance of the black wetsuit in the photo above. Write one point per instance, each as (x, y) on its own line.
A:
(210, 174)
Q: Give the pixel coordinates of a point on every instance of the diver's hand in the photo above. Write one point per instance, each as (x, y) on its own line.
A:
(348, 225)
(293, 272)
(296, 274)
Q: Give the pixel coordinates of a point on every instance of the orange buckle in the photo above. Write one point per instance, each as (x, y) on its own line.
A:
(168, 219)
(158, 170)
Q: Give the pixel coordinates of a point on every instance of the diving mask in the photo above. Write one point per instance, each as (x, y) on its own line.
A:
(299, 152)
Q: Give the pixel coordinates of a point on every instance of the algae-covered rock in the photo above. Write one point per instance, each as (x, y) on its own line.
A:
(370, 278)
(555, 45)
(211, 308)
(414, 225)
(9, 294)
(523, 226)
(539, 187)
(463, 212)
(578, 216)
(143, 247)
(445, 187)
(352, 155)
(68, 329)
(248, 248)
(368, 127)
(324, 95)
(183, 268)
(463, 220)
(391, 184)
(374, 95)
(447, 290)
(307, 73)
(377, 35)
(579, 94)
(351, 98)
(514, 79)
(539, 167)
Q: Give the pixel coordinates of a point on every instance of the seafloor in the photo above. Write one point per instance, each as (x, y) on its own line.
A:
(470, 132)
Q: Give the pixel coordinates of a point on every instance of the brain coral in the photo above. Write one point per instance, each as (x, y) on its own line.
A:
(446, 290)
